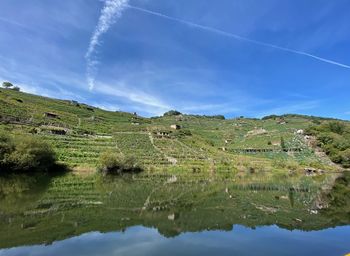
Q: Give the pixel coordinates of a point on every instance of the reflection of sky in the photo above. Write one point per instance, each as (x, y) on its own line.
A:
(240, 241)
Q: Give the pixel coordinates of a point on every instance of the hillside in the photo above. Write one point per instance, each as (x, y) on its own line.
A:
(79, 133)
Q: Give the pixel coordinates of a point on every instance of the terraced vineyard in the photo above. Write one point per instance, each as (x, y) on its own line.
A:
(80, 133)
(140, 145)
(80, 150)
(182, 153)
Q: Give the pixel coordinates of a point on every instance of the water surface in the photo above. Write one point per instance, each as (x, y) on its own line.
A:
(151, 216)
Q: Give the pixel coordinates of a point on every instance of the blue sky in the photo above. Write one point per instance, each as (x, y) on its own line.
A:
(182, 54)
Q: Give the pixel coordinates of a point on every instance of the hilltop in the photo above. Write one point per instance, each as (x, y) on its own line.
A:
(175, 142)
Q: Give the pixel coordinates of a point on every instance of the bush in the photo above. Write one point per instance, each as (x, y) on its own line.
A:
(337, 127)
(24, 154)
(172, 113)
(334, 138)
(116, 163)
(346, 158)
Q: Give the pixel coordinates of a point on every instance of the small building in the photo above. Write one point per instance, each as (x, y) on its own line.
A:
(175, 126)
(50, 115)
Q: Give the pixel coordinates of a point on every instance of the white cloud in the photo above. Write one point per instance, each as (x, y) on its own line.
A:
(141, 100)
(107, 106)
(111, 11)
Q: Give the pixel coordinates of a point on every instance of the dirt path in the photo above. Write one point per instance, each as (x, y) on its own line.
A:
(170, 159)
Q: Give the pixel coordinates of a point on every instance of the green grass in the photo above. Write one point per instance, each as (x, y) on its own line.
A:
(92, 131)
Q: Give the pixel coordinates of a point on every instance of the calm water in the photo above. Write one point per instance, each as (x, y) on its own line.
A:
(74, 216)
(240, 241)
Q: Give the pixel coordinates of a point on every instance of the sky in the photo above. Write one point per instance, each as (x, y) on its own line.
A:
(231, 57)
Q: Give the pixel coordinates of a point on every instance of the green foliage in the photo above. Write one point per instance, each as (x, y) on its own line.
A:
(6, 147)
(7, 85)
(334, 138)
(172, 113)
(24, 153)
(220, 117)
(116, 163)
(345, 155)
(270, 117)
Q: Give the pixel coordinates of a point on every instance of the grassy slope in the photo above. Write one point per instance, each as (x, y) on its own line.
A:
(201, 151)
(254, 181)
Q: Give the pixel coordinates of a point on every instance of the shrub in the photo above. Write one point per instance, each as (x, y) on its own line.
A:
(6, 147)
(116, 163)
(334, 138)
(172, 113)
(336, 127)
(24, 154)
(346, 158)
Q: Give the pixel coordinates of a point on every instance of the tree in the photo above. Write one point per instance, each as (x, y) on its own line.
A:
(7, 85)
(172, 113)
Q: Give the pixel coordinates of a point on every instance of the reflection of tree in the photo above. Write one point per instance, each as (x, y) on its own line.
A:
(291, 198)
(338, 200)
(21, 191)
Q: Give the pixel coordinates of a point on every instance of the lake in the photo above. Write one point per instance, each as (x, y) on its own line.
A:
(158, 215)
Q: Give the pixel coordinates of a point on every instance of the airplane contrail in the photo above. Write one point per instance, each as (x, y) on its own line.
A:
(111, 11)
(237, 37)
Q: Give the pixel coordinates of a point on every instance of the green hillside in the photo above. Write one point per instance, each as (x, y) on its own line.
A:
(276, 145)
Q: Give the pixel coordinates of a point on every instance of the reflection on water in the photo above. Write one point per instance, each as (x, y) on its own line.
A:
(156, 215)
(240, 241)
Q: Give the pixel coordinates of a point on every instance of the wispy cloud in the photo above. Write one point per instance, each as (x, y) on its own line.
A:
(111, 11)
(141, 100)
(347, 113)
(238, 37)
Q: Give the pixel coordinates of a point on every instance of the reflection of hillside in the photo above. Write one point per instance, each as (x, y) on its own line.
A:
(72, 206)
(338, 200)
